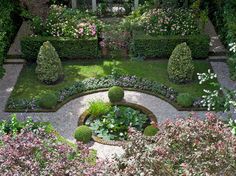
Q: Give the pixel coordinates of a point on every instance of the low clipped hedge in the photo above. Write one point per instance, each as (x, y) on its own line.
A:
(162, 46)
(92, 84)
(65, 47)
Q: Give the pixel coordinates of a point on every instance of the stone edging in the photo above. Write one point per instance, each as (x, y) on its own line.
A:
(83, 117)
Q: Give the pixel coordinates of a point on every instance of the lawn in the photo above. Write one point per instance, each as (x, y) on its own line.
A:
(28, 86)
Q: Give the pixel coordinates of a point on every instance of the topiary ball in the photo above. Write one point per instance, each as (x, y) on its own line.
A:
(185, 100)
(116, 94)
(48, 101)
(180, 66)
(83, 133)
(150, 131)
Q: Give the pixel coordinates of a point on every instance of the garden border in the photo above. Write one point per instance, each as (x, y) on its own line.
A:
(59, 105)
(83, 117)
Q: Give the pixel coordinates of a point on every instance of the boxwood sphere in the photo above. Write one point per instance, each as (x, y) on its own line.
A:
(150, 131)
(116, 94)
(83, 133)
(185, 100)
(48, 101)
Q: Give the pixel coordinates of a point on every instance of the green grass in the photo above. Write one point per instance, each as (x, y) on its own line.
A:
(29, 87)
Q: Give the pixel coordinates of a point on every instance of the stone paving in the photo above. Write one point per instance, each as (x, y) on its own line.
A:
(66, 118)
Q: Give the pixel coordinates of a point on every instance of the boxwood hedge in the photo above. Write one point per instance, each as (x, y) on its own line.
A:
(162, 46)
(91, 84)
(65, 47)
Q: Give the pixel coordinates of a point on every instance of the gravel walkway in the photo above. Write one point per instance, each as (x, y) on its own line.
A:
(222, 71)
(66, 118)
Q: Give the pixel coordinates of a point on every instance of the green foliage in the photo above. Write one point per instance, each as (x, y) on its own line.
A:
(98, 108)
(48, 101)
(185, 100)
(232, 125)
(223, 16)
(8, 28)
(14, 126)
(83, 133)
(162, 46)
(49, 68)
(116, 94)
(87, 75)
(180, 66)
(114, 125)
(150, 131)
(66, 47)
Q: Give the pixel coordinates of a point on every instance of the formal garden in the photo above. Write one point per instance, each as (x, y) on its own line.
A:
(120, 87)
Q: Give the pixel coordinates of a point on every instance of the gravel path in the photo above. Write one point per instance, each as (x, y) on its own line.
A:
(222, 71)
(66, 118)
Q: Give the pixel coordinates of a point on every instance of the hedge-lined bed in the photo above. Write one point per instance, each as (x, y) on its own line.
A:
(162, 46)
(65, 47)
(72, 32)
(94, 85)
(83, 77)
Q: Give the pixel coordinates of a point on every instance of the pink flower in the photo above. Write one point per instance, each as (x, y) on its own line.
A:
(81, 30)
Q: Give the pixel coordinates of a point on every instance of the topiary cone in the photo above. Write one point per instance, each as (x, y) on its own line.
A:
(180, 66)
(49, 68)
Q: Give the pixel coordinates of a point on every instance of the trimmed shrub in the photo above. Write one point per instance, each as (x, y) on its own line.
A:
(180, 66)
(185, 100)
(49, 68)
(65, 47)
(48, 101)
(150, 131)
(185, 146)
(83, 133)
(116, 94)
(98, 108)
(162, 46)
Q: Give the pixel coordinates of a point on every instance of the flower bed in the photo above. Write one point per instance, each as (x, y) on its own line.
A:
(183, 147)
(72, 32)
(92, 85)
(111, 128)
(29, 148)
(156, 32)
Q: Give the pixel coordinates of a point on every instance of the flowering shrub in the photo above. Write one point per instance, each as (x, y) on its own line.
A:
(65, 22)
(39, 153)
(232, 60)
(214, 99)
(187, 147)
(169, 22)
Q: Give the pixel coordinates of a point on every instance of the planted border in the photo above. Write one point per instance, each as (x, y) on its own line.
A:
(162, 46)
(150, 115)
(94, 85)
(65, 47)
